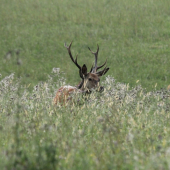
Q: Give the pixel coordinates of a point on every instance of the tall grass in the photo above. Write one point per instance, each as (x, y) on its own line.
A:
(121, 128)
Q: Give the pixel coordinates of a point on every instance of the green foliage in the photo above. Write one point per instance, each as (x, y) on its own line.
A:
(120, 128)
(126, 126)
(133, 35)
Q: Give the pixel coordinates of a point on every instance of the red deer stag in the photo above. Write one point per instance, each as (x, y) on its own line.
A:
(89, 80)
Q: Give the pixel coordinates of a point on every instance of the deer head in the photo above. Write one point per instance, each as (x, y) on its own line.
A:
(90, 79)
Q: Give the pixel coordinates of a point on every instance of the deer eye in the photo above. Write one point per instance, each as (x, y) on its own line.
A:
(90, 79)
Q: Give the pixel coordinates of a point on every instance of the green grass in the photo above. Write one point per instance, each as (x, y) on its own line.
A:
(126, 126)
(133, 35)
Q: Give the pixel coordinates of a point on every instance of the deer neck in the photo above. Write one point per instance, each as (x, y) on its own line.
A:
(81, 84)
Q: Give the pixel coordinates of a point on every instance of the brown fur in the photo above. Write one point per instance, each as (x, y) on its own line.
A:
(168, 88)
(63, 94)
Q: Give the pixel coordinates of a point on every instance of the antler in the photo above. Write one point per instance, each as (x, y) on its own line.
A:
(102, 72)
(95, 68)
(74, 61)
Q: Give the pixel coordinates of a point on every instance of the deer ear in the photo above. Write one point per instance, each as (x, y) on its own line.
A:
(84, 69)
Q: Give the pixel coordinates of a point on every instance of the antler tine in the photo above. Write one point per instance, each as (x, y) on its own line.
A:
(69, 51)
(101, 65)
(74, 61)
(104, 71)
(96, 56)
(91, 68)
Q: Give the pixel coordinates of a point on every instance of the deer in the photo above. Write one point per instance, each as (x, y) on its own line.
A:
(89, 80)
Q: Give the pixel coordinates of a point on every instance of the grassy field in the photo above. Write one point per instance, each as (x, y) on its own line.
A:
(126, 126)
(133, 35)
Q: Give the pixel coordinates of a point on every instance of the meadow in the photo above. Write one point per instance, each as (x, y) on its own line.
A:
(132, 35)
(124, 127)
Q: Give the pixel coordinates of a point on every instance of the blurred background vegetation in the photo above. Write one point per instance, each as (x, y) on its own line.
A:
(132, 35)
